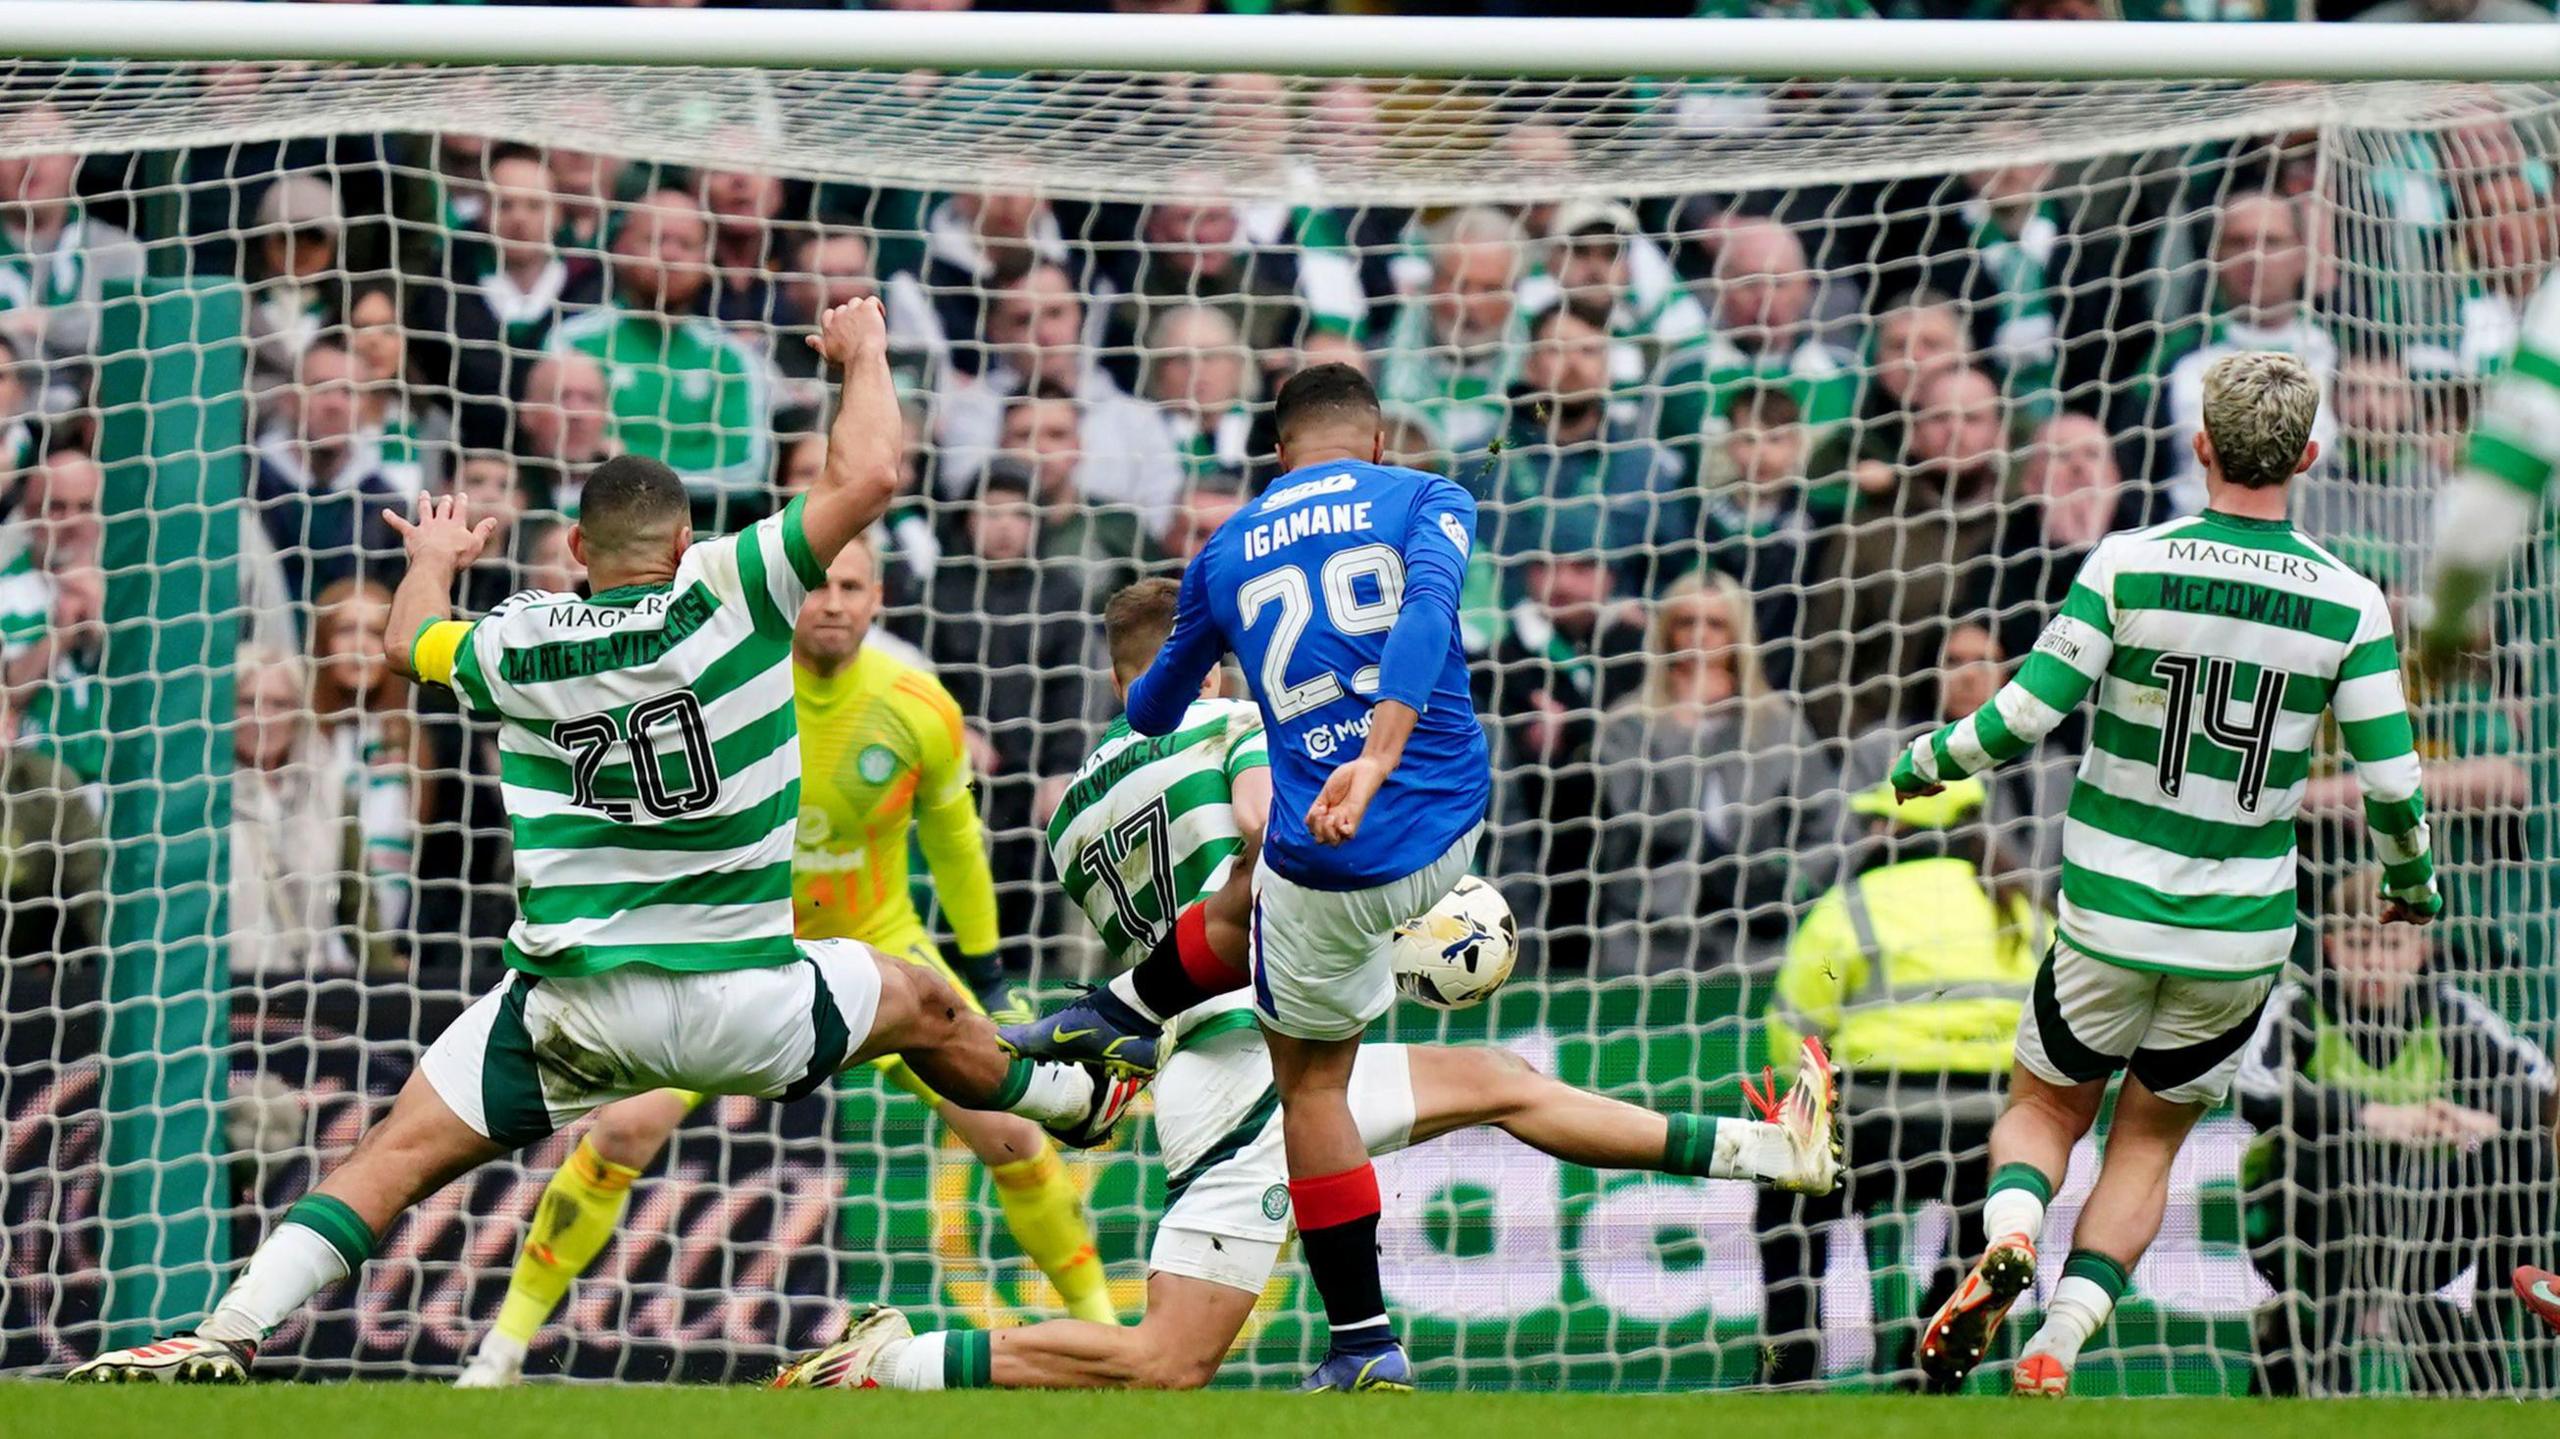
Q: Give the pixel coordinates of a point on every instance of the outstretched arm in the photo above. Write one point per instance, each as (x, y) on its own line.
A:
(866, 446)
(2070, 656)
(1158, 698)
(2514, 450)
(2373, 719)
(442, 542)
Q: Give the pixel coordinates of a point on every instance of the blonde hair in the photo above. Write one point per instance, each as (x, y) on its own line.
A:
(1762, 707)
(2258, 409)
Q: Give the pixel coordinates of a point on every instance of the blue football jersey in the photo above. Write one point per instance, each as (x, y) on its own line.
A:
(1337, 588)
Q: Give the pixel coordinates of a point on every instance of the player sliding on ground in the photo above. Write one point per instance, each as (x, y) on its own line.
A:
(1337, 589)
(2215, 644)
(881, 752)
(1150, 828)
(1226, 1203)
(652, 776)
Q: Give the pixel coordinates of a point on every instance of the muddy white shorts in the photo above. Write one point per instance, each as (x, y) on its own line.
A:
(535, 1054)
(1226, 1212)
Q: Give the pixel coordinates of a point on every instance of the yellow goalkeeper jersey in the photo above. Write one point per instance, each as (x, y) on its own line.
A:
(880, 750)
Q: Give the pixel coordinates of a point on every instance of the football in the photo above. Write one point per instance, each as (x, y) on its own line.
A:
(1459, 952)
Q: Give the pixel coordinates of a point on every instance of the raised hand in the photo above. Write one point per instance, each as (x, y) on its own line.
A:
(852, 330)
(444, 531)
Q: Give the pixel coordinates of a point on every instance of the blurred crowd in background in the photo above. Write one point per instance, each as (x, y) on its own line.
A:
(1770, 480)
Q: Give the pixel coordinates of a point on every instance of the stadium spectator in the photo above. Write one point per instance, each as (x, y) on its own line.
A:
(317, 482)
(1102, 543)
(588, 185)
(550, 565)
(1568, 650)
(1543, 152)
(2072, 495)
(1598, 264)
(1883, 583)
(400, 417)
(56, 259)
(744, 207)
(562, 428)
(2405, 1134)
(832, 266)
(2511, 236)
(1191, 253)
(20, 435)
(296, 287)
(1035, 328)
(53, 865)
(2262, 266)
(681, 390)
(491, 481)
(1754, 523)
(1561, 453)
(55, 694)
(1200, 375)
(1917, 338)
(2022, 802)
(1009, 635)
(2373, 503)
(1764, 289)
(976, 245)
(476, 333)
(797, 465)
(57, 528)
(1207, 502)
(296, 905)
(2013, 266)
(362, 713)
(1716, 807)
(1453, 353)
(1914, 969)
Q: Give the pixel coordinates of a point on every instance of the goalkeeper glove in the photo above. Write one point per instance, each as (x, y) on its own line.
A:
(985, 976)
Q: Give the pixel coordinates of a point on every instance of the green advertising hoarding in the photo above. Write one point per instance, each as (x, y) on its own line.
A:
(1509, 1270)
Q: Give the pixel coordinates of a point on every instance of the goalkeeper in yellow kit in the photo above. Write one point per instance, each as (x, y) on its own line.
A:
(880, 751)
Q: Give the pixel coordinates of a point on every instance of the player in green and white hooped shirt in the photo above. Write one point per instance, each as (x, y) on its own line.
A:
(2515, 449)
(2215, 645)
(1172, 815)
(1155, 840)
(650, 766)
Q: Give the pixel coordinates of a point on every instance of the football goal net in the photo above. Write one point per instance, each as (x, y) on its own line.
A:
(1795, 368)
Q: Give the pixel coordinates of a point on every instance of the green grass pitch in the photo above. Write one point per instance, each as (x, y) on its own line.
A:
(38, 1410)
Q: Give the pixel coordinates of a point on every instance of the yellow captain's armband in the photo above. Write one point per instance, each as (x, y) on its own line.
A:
(433, 653)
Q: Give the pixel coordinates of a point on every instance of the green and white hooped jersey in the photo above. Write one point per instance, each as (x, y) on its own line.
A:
(1148, 824)
(2517, 437)
(2215, 644)
(650, 759)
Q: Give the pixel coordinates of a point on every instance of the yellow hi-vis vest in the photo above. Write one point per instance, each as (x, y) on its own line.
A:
(1911, 966)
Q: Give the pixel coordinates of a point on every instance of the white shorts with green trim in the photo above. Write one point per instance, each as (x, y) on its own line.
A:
(535, 1054)
(1322, 967)
(2181, 1035)
(1226, 1209)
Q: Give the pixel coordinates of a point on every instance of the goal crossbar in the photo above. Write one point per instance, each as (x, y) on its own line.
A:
(1407, 45)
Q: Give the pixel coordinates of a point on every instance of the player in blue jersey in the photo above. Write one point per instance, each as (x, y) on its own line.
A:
(1337, 590)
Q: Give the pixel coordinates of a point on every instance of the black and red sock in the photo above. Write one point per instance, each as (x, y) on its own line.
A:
(1338, 1233)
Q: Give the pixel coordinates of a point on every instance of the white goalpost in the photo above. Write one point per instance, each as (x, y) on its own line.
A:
(1838, 343)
